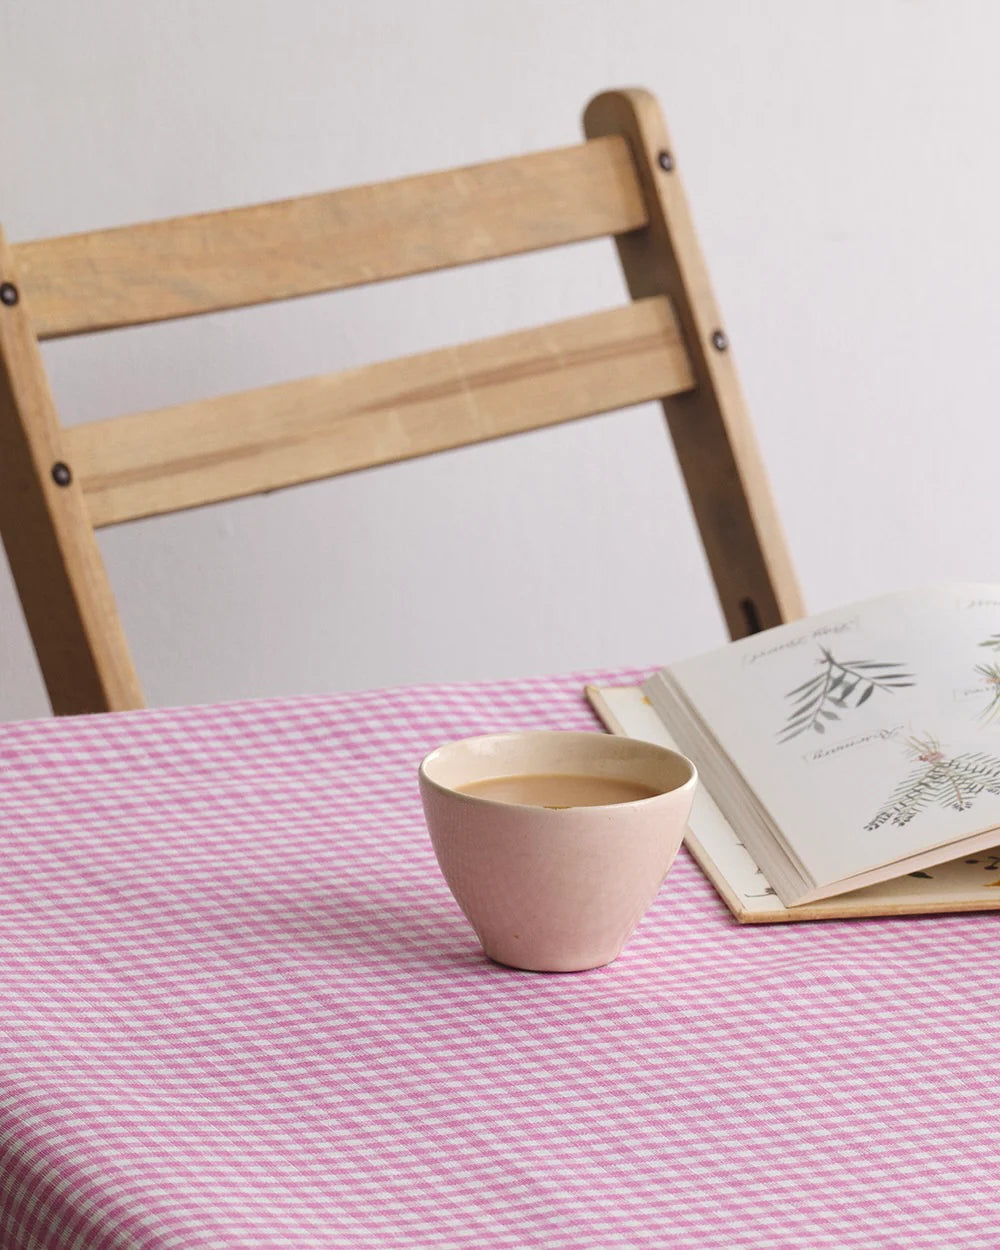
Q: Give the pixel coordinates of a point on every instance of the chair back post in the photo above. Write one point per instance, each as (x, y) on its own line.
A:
(57, 486)
(711, 430)
(50, 544)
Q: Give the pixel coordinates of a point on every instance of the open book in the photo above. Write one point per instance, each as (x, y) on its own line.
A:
(852, 758)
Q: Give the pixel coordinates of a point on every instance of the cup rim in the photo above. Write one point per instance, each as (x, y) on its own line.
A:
(653, 747)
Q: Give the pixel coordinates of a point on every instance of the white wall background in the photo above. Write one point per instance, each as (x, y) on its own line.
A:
(841, 158)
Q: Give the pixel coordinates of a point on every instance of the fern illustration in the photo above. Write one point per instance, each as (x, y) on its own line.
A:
(938, 780)
(990, 673)
(824, 697)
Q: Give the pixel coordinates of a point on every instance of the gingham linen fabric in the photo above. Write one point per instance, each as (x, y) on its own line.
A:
(240, 1009)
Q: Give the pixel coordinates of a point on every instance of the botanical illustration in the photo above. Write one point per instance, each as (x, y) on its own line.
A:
(990, 673)
(986, 861)
(938, 780)
(838, 686)
(989, 861)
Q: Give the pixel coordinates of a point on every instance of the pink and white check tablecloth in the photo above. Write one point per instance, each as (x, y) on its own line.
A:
(240, 1009)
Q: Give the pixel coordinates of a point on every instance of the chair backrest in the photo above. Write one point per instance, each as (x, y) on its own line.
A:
(57, 485)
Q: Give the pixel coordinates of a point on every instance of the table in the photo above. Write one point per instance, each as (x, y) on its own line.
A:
(238, 1008)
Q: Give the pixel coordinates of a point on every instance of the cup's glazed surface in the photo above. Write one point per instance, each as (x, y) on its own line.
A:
(555, 890)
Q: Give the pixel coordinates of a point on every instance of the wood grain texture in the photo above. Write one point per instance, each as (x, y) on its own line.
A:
(198, 264)
(209, 450)
(50, 545)
(711, 430)
(216, 449)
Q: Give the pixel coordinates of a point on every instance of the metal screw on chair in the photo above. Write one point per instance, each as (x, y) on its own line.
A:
(719, 341)
(665, 161)
(9, 294)
(61, 474)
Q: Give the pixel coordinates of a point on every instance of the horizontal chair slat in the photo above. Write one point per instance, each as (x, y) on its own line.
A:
(206, 451)
(133, 275)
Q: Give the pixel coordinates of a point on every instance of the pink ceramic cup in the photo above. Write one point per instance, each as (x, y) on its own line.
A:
(555, 889)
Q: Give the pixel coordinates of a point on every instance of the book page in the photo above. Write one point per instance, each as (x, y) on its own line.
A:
(970, 883)
(870, 733)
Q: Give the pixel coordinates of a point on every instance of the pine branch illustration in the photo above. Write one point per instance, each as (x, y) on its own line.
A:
(984, 768)
(921, 788)
(938, 781)
(993, 642)
(821, 699)
(990, 674)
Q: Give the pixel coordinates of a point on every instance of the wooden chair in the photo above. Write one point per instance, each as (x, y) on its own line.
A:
(58, 485)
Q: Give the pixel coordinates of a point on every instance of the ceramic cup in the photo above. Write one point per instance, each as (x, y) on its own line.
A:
(555, 889)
